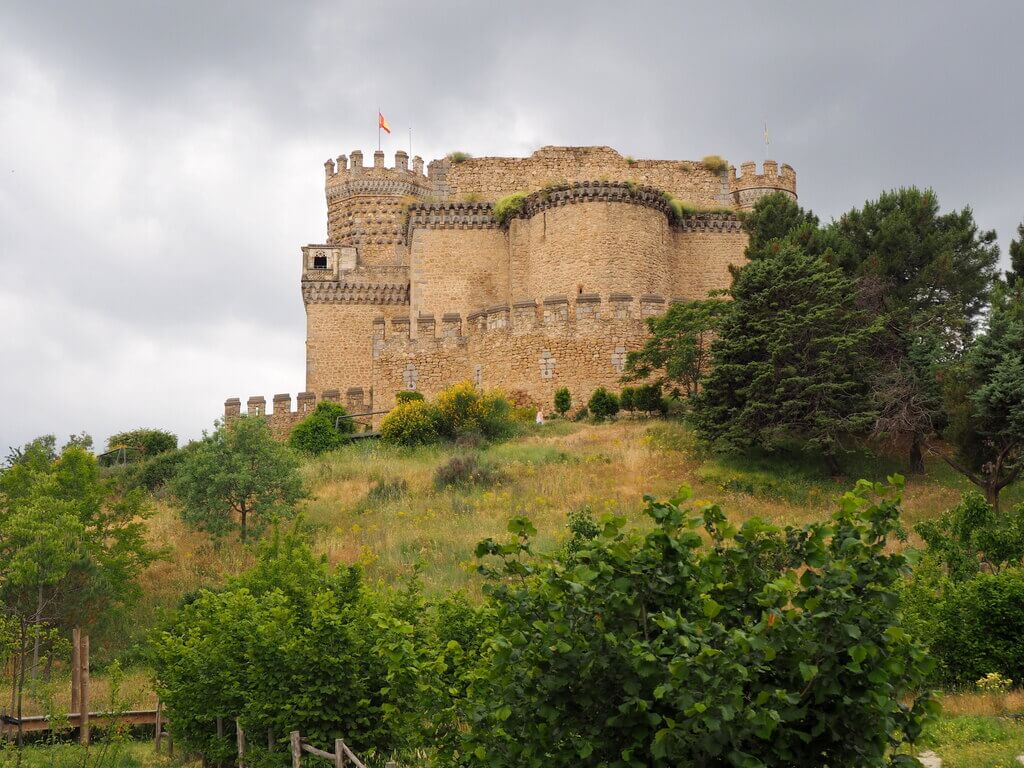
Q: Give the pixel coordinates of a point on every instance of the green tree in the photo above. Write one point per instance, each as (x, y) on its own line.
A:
(238, 477)
(763, 647)
(563, 400)
(148, 442)
(985, 399)
(790, 360)
(676, 353)
(928, 276)
(1016, 270)
(325, 429)
(776, 220)
(603, 404)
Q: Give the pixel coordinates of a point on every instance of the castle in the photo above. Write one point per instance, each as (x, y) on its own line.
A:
(419, 285)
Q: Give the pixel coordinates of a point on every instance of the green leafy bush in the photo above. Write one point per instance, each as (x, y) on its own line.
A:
(458, 157)
(563, 400)
(627, 399)
(582, 414)
(410, 423)
(763, 647)
(508, 207)
(973, 535)
(146, 442)
(648, 399)
(464, 471)
(408, 395)
(979, 628)
(325, 429)
(603, 404)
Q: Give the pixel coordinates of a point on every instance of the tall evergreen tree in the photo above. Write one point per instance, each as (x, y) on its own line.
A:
(789, 361)
(929, 276)
(1016, 270)
(986, 400)
(776, 220)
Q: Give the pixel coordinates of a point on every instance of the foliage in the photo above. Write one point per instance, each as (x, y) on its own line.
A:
(979, 626)
(582, 414)
(465, 470)
(408, 395)
(325, 429)
(410, 423)
(763, 648)
(458, 157)
(627, 399)
(508, 207)
(563, 400)
(777, 221)
(714, 163)
(463, 409)
(985, 400)
(142, 444)
(972, 536)
(993, 682)
(1016, 250)
(293, 645)
(790, 360)
(238, 478)
(676, 354)
(647, 398)
(603, 404)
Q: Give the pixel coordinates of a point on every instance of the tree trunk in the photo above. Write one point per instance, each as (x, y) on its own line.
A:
(992, 494)
(243, 524)
(916, 455)
(35, 642)
(834, 469)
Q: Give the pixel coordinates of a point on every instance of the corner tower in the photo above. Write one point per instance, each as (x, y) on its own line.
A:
(751, 186)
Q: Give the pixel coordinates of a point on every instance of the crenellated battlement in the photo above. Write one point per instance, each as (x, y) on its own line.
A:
(750, 186)
(282, 418)
(347, 176)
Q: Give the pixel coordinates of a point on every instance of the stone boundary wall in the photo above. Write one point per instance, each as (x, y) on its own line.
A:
(282, 418)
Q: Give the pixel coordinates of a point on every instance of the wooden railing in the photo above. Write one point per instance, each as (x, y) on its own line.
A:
(341, 757)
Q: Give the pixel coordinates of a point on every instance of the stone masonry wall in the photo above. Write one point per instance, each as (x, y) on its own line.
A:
(457, 270)
(493, 177)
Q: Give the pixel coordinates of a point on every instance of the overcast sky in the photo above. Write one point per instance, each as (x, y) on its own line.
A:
(161, 163)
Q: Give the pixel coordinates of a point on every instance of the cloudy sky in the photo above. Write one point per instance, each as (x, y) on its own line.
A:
(161, 162)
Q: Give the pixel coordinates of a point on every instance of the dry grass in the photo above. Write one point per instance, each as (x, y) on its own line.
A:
(135, 692)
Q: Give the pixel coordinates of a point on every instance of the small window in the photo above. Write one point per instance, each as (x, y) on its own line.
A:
(320, 261)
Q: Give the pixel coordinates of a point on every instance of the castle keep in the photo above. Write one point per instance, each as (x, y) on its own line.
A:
(419, 286)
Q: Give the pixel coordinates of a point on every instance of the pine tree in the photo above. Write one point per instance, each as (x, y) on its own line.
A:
(790, 359)
(1016, 270)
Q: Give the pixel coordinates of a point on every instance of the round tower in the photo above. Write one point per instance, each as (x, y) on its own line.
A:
(366, 204)
(750, 186)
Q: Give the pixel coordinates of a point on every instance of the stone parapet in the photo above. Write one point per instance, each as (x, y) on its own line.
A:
(347, 292)
(357, 400)
(750, 186)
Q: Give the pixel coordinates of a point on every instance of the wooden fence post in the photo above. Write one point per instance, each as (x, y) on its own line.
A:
(76, 669)
(170, 745)
(157, 735)
(240, 737)
(339, 753)
(83, 700)
(296, 749)
(220, 728)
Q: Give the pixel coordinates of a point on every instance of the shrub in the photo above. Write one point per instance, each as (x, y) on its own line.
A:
(630, 160)
(325, 429)
(410, 423)
(648, 399)
(464, 471)
(146, 442)
(563, 400)
(497, 416)
(762, 647)
(459, 410)
(582, 414)
(627, 399)
(458, 157)
(408, 395)
(979, 627)
(385, 490)
(159, 470)
(508, 207)
(714, 163)
(603, 404)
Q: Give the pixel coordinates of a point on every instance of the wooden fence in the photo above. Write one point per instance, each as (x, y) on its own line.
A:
(341, 756)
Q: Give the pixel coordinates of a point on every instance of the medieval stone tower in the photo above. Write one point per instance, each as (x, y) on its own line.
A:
(419, 286)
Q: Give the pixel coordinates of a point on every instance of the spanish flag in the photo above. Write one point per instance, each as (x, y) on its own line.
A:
(382, 123)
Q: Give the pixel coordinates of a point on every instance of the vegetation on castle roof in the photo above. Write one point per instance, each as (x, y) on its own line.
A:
(508, 207)
(458, 157)
(714, 163)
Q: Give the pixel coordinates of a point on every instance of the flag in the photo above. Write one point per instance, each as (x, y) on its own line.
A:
(382, 123)
(766, 132)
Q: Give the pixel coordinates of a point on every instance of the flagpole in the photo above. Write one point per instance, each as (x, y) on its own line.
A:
(378, 129)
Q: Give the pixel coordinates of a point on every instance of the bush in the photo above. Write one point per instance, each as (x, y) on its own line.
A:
(410, 423)
(408, 396)
(603, 404)
(701, 644)
(497, 416)
(581, 415)
(648, 399)
(146, 442)
(980, 626)
(386, 490)
(508, 207)
(459, 410)
(714, 163)
(627, 399)
(563, 401)
(465, 471)
(458, 157)
(325, 429)
(159, 470)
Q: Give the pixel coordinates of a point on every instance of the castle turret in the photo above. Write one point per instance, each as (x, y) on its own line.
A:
(749, 187)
